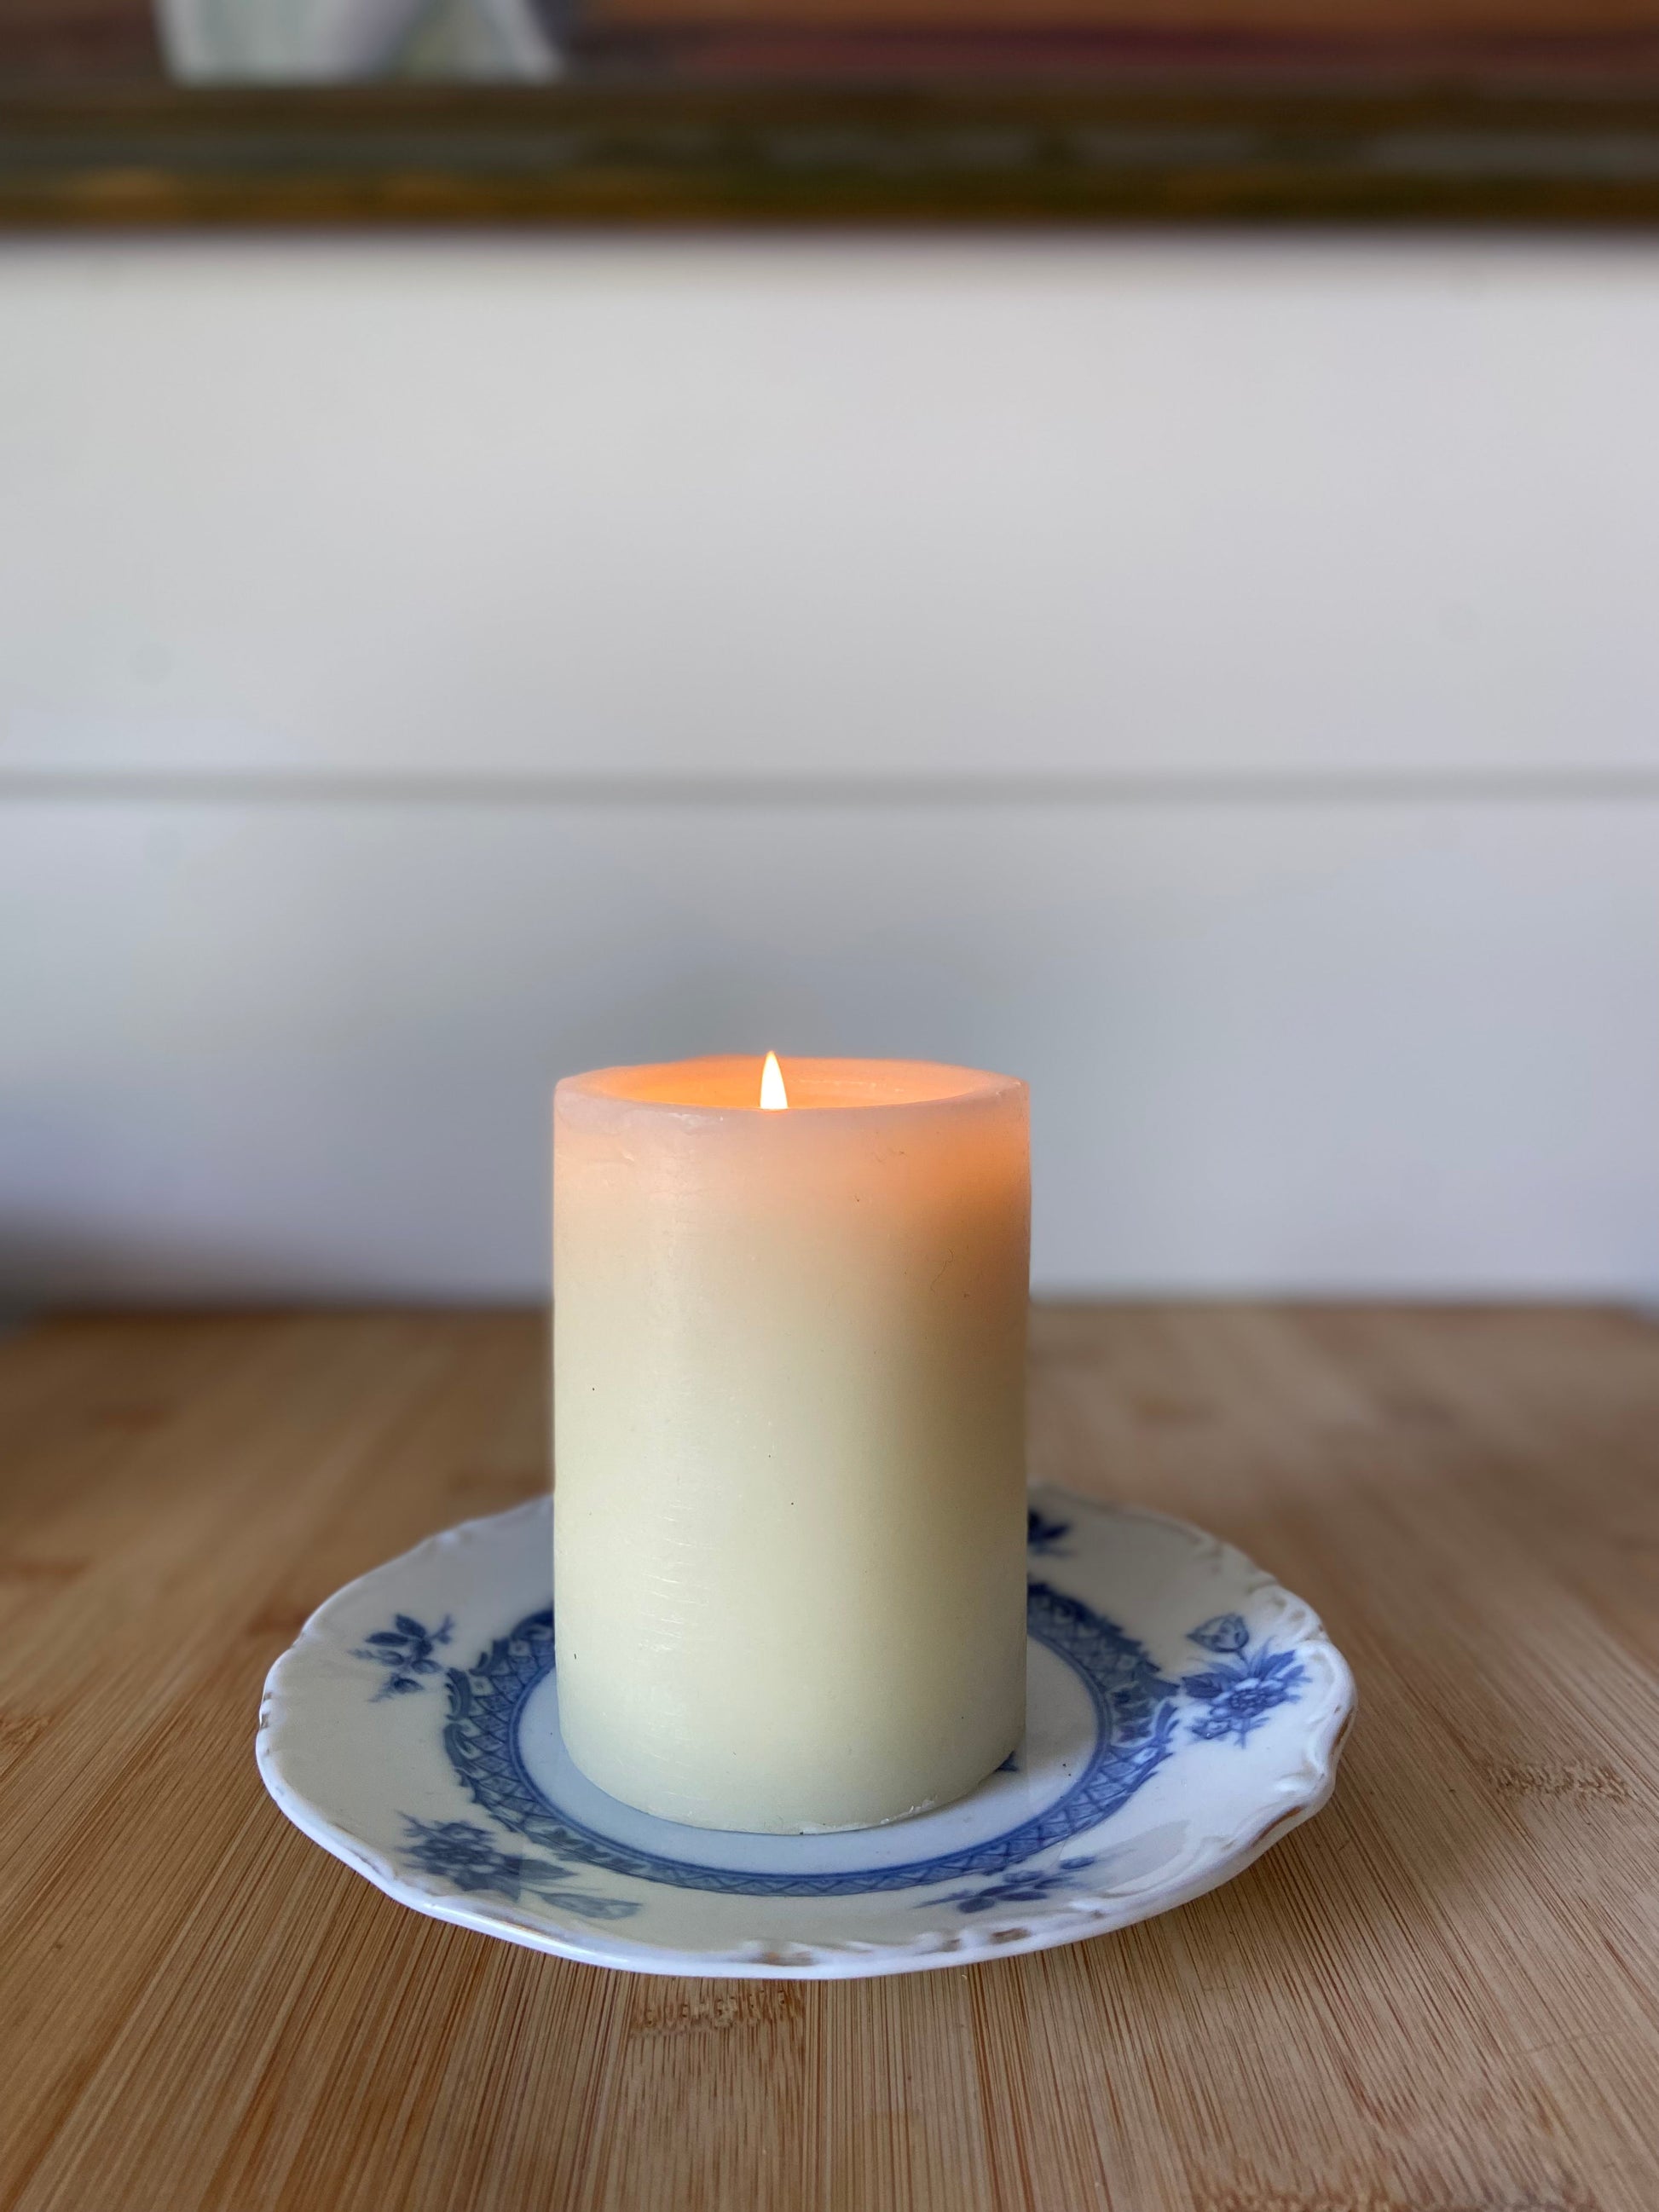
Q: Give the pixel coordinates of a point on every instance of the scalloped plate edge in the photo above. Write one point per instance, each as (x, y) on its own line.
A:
(1078, 1918)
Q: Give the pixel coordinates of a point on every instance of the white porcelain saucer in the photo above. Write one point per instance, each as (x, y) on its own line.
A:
(1184, 1713)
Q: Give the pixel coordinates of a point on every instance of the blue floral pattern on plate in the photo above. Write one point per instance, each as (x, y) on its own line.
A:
(468, 1857)
(1244, 1685)
(1185, 1711)
(1136, 1724)
(405, 1648)
(1022, 1887)
(1043, 1537)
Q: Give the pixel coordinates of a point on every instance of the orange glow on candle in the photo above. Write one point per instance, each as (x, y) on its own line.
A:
(789, 1402)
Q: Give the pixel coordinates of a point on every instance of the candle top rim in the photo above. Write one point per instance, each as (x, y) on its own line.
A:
(729, 1083)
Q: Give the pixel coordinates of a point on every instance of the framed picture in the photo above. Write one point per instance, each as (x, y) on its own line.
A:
(828, 111)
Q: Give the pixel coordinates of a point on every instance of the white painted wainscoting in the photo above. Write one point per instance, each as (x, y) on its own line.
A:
(1219, 680)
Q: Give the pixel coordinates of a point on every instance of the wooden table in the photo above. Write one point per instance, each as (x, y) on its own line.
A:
(1441, 1995)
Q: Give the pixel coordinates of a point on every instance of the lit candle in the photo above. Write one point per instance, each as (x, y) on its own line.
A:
(789, 1343)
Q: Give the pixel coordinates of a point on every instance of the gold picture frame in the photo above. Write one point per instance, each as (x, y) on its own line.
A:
(874, 111)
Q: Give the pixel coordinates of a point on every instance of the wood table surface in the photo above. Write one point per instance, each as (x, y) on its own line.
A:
(1441, 1995)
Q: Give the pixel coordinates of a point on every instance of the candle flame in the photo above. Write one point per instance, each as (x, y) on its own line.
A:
(774, 1097)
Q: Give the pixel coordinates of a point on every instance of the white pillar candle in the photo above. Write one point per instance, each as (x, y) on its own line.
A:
(789, 1350)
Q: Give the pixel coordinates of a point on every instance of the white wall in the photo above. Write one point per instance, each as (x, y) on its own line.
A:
(1219, 680)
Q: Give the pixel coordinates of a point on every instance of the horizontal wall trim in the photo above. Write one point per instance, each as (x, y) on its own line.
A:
(1412, 788)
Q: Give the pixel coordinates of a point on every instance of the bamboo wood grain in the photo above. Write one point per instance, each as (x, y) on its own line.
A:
(1441, 1996)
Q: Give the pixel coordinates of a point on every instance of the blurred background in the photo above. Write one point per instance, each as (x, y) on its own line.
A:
(1213, 676)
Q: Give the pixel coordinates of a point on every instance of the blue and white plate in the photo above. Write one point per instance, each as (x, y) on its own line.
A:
(1184, 1713)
